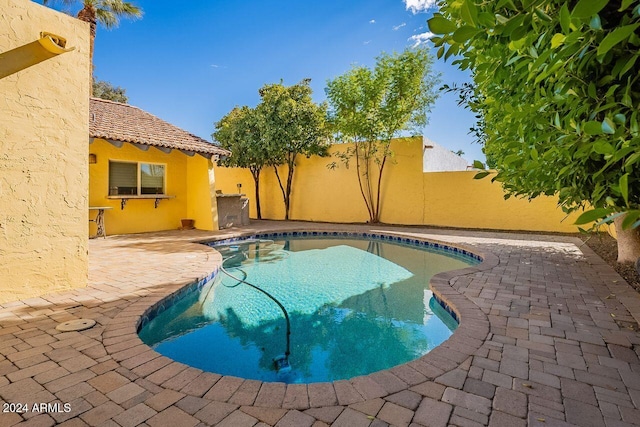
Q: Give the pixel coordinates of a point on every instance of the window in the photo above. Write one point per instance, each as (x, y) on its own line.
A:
(151, 179)
(136, 179)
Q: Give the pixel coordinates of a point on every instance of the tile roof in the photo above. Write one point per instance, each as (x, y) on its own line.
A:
(122, 122)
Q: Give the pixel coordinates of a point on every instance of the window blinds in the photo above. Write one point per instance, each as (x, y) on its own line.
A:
(124, 177)
(152, 178)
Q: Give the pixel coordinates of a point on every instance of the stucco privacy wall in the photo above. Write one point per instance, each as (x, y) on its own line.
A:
(44, 128)
(187, 179)
(448, 199)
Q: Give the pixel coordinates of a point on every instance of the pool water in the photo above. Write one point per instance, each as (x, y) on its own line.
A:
(355, 307)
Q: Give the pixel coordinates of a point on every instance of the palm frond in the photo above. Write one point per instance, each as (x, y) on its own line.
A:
(109, 12)
(106, 17)
(121, 8)
(65, 6)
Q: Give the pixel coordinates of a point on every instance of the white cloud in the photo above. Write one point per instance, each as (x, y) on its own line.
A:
(397, 27)
(416, 6)
(367, 42)
(373, 21)
(419, 39)
(218, 66)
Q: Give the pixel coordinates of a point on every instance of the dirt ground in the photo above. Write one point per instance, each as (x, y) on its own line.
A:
(605, 246)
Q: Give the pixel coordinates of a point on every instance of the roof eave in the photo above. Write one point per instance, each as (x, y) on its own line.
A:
(204, 151)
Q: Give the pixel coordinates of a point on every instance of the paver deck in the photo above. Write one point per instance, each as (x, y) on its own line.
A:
(548, 337)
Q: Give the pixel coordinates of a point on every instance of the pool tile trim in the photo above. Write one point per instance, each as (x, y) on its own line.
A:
(461, 252)
(472, 331)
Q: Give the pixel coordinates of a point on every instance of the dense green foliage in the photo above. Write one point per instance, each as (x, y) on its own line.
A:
(105, 90)
(239, 132)
(286, 123)
(370, 107)
(291, 124)
(556, 86)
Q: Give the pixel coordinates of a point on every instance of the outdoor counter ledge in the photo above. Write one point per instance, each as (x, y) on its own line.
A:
(547, 336)
(122, 343)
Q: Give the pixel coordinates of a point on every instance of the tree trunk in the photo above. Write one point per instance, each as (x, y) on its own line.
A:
(367, 164)
(364, 197)
(256, 180)
(287, 199)
(379, 190)
(628, 241)
(284, 193)
(88, 14)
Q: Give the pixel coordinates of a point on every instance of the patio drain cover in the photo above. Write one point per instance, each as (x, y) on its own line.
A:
(76, 325)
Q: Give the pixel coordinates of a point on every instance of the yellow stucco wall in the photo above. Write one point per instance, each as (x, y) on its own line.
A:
(201, 204)
(43, 154)
(187, 178)
(455, 199)
(447, 199)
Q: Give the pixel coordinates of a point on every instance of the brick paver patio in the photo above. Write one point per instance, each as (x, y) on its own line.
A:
(548, 337)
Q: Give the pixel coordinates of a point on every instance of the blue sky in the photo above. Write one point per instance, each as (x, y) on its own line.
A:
(191, 65)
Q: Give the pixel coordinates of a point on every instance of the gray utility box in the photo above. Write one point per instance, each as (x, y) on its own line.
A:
(233, 210)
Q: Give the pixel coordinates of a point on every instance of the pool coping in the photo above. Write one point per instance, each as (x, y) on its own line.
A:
(471, 333)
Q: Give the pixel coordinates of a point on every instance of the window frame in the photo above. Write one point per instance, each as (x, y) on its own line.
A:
(139, 178)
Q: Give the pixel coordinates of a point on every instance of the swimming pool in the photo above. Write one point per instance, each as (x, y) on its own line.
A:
(355, 305)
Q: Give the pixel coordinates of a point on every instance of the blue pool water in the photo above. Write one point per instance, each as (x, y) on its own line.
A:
(355, 307)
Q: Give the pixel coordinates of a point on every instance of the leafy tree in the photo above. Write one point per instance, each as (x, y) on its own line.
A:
(469, 98)
(557, 85)
(291, 124)
(370, 107)
(105, 90)
(285, 124)
(105, 12)
(240, 133)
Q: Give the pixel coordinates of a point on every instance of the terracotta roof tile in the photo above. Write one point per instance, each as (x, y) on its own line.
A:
(121, 122)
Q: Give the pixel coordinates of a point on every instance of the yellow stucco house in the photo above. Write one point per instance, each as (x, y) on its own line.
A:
(56, 143)
(147, 174)
(43, 150)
